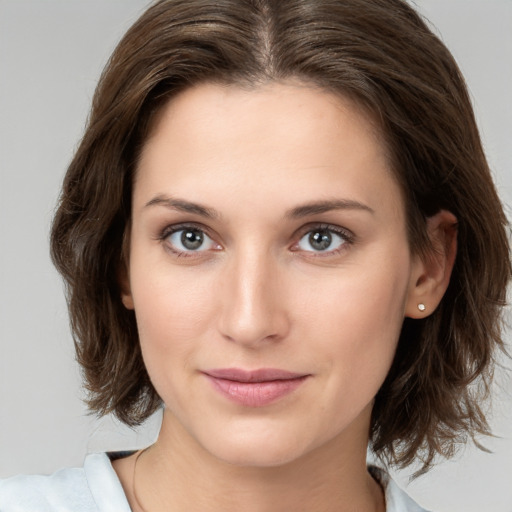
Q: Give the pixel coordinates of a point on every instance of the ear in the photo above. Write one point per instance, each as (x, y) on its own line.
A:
(123, 279)
(431, 272)
(123, 272)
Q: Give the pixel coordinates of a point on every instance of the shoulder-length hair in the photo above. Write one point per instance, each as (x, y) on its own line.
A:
(381, 54)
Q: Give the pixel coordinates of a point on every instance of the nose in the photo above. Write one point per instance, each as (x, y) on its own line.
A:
(252, 300)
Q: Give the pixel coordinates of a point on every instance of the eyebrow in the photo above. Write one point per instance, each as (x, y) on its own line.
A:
(326, 206)
(305, 210)
(183, 206)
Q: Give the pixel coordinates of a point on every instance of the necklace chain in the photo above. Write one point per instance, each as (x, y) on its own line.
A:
(134, 492)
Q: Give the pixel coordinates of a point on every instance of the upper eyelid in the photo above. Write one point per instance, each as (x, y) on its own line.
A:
(173, 228)
(339, 230)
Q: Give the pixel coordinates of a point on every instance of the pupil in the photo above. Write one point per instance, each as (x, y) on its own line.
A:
(320, 240)
(192, 239)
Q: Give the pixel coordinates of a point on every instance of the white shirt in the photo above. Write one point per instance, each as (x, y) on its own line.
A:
(96, 488)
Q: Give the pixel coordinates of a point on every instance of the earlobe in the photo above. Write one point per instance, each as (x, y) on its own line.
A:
(127, 300)
(431, 272)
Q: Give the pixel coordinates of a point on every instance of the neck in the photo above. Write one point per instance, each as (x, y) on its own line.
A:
(176, 474)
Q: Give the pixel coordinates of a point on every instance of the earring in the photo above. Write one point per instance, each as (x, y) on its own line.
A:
(421, 306)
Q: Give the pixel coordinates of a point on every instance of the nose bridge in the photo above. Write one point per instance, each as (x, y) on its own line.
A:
(252, 309)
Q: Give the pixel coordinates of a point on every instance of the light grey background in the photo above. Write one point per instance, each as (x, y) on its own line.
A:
(51, 54)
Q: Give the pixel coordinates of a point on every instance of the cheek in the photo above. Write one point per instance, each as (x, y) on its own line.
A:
(355, 321)
(174, 313)
(173, 309)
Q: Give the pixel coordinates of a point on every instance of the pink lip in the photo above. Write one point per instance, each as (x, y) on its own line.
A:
(254, 388)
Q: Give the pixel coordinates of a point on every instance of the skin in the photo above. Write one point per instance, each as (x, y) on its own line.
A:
(259, 294)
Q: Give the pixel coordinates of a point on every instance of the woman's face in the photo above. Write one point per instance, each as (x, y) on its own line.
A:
(269, 269)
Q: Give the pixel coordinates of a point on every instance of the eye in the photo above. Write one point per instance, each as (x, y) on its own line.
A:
(322, 240)
(189, 239)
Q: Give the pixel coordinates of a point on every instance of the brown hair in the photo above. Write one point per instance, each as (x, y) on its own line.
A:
(381, 54)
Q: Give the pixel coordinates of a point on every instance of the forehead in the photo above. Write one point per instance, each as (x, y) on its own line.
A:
(211, 104)
(277, 137)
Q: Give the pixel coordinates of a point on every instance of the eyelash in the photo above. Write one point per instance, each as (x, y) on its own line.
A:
(346, 235)
(175, 228)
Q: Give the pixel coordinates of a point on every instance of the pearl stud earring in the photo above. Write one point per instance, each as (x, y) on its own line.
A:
(421, 306)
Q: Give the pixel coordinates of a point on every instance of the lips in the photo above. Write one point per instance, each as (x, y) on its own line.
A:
(254, 388)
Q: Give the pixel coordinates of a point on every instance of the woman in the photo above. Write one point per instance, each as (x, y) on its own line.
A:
(280, 224)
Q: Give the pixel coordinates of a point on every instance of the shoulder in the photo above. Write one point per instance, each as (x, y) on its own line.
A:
(46, 493)
(397, 499)
(93, 488)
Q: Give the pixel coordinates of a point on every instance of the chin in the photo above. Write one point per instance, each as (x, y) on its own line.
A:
(258, 456)
(259, 449)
